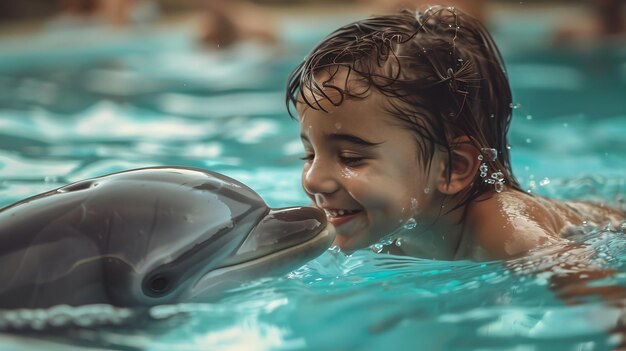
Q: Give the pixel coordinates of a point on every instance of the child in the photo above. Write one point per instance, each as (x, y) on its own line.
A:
(404, 120)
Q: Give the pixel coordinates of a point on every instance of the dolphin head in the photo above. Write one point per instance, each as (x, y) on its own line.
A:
(282, 241)
(202, 233)
(148, 236)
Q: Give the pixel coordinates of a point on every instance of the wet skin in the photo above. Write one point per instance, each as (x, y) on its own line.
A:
(363, 168)
(359, 160)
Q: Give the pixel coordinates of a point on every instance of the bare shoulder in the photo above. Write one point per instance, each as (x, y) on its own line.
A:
(513, 222)
(509, 223)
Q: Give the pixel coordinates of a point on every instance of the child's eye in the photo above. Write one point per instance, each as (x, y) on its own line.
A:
(307, 157)
(351, 160)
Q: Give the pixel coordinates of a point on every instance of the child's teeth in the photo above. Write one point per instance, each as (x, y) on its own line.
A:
(336, 213)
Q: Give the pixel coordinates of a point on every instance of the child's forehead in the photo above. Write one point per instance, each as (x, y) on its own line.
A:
(334, 86)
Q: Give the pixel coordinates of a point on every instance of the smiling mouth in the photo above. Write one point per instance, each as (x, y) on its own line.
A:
(339, 217)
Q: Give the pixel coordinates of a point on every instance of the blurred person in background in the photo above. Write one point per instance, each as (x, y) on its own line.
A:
(129, 12)
(606, 22)
(225, 22)
(76, 14)
(98, 13)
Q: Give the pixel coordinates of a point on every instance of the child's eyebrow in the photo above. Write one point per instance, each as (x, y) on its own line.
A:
(347, 138)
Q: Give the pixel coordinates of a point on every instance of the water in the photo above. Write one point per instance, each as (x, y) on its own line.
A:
(154, 98)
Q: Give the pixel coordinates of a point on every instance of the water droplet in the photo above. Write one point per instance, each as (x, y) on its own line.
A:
(508, 147)
(414, 204)
(337, 125)
(411, 223)
(515, 106)
(426, 190)
(490, 152)
(545, 181)
(377, 248)
(529, 117)
(499, 187)
(565, 125)
(529, 140)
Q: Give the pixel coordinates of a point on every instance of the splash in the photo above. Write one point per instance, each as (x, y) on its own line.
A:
(396, 236)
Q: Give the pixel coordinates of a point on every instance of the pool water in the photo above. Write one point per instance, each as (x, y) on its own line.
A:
(72, 109)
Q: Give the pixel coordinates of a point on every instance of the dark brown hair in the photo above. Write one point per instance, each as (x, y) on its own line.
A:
(440, 70)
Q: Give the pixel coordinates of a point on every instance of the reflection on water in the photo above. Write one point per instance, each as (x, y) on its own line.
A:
(128, 108)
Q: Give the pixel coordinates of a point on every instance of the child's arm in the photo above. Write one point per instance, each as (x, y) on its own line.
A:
(573, 273)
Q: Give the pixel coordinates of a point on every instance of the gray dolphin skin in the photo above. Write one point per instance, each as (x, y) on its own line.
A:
(149, 236)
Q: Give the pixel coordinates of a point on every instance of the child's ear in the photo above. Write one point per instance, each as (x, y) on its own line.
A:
(464, 167)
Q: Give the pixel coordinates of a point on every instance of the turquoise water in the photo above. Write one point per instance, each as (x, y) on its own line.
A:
(72, 108)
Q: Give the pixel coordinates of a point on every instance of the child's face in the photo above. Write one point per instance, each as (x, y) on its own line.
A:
(362, 161)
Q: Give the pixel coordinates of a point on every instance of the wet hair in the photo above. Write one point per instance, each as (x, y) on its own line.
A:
(441, 73)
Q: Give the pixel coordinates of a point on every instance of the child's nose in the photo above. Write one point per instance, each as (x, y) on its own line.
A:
(319, 178)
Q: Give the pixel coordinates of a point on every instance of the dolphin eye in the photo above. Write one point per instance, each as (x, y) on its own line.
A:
(158, 285)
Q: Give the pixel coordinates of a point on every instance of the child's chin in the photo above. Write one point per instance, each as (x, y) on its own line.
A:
(348, 244)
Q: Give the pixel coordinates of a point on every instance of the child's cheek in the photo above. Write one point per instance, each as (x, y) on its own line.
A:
(348, 173)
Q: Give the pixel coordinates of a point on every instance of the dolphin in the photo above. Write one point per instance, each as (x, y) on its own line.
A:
(147, 237)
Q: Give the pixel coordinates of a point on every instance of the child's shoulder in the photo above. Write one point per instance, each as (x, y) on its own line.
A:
(513, 222)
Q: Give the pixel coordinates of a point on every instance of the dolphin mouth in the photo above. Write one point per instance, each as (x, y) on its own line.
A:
(211, 285)
(280, 229)
(283, 241)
